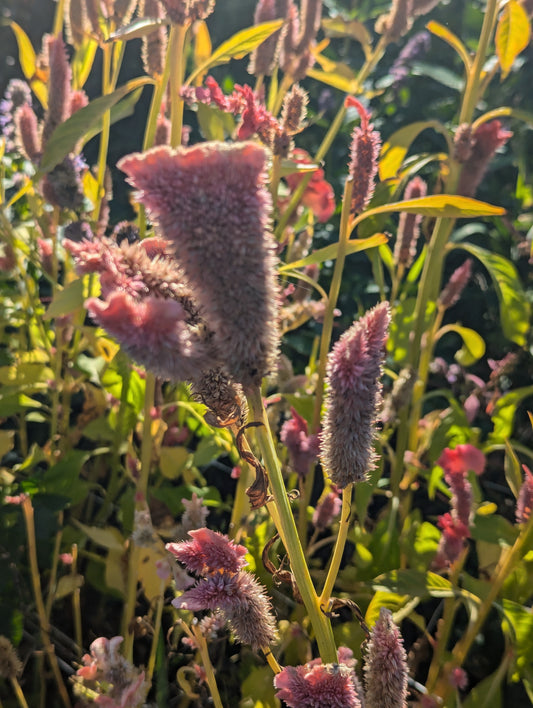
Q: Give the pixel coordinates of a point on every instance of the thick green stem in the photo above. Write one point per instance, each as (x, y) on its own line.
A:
(177, 69)
(156, 632)
(288, 531)
(339, 547)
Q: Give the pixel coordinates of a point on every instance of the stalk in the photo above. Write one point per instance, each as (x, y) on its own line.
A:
(339, 547)
(177, 68)
(18, 692)
(289, 532)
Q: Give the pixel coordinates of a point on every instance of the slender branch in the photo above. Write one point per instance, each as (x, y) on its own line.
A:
(339, 547)
(178, 34)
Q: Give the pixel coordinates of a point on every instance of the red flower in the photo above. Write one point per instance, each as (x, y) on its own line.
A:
(302, 447)
(462, 459)
(318, 195)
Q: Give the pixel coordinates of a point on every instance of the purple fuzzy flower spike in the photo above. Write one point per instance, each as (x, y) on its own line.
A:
(364, 152)
(354, 393)
(386, 665)
(59, 90)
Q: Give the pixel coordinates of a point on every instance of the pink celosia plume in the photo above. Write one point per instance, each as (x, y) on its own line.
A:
(409, 225)
(457, 283)
(364, 152)
(59, 90)
(486, 139)
(386, 665)
(302, 447)
(209, 551)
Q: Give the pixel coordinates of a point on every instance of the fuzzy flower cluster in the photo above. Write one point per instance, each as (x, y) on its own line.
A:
(524, 503)
(318, 195)
(458, 281)
(483, 144)
(224, 587)
(398, 21)
(10, 664)
(353, 395)
(264, 58)
(296, 48)
(183, 12)
(17, 94)
(110, 677)
(386, 665)
(364, 152)
(302, 447)
(409, 226)
(210, 202)
(455, 525)
(317, 685)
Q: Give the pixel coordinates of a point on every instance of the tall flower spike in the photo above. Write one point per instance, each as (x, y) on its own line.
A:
(212, 205)
(458, 280)
(386, 665)
(354, 393)
(364, 152)
(486, 139)
(524, 503)
(409, 226)
(154, 44)
(58, 87)
(394, 24)
(264, 58)
(27, 132)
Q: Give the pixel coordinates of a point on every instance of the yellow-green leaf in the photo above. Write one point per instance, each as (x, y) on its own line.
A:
(202, 47)
(337, 79)
(172, 460)
(137, 28)
(329, 253)
(397, 146)
(237, 47)
(67, 584)
(40, 89)
(66, 301)
(473, 344)
(82, 62)
(513, 469)
(512, 35)
(339, 27)
(108, 537)
(26, 52)
(450, 38)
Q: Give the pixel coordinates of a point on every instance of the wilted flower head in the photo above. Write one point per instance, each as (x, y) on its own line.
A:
(224, 587)
(364, 152)
(524, 503)
(463, 142)
(317, 685)
(10, 664)
(219, 228)
(294, 109)
(195, 513)
(486, 139)
(63, 186)
(302, 447)
(457, 283)
(352, 399)
(386, 665)
(409, 226)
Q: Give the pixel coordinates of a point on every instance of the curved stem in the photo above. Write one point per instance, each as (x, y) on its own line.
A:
(289, 533)
(339, 547)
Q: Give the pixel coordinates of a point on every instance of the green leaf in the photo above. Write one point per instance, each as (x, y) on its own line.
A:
(172, 460)
(494, 529)
(66, 301)
(473, 344)
(329, 253)
(339, 27)
(504, 413)
(414, 583)
(67, 585)
(109, 537)
(487, 693)
(438, 73)
(518, 623)
(513, 470)
(68, 134)
(397, 146)
(515, 310)
(136, 29)
(512, 35)
(335, 74)
(450, 38)
(392, 601)
(82, 61)
(123, 109)
(27, 58)
(237, 47)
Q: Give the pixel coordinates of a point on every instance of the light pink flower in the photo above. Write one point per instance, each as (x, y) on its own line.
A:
(486, 139)
(59, 90)
(209, 552)
(352, 399)
(364, 152)
(458, 280)
(303, 448)
(327, 510)
(195, 514)
(386, 665)
(409, 225)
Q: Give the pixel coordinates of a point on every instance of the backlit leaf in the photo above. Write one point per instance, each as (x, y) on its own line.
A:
(473, 344)
(237, 47)
(82, 62)
(66, 301)
(504, 413)
(512, 35)
(339, 27)
(27, 57)
(137, 28)
(397, 146)
(513, 469)
(202, 47)
(108, 537)
(329, 253)
(450, 38)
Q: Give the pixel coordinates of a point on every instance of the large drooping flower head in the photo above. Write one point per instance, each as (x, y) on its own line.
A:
(354, 392)
(210, 202)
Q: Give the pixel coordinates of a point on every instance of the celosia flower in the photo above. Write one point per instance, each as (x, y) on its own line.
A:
(327, 510)
(78, 100)
(317, 685)
(302, 447)
(397, 21)
(409, 226)
(184, 11)
(463, 143)
(27, 136)
(294, 109)
(63, 186)
(59, 91)
(154, 44)
(400, 394)
(364, 152)
(455, 286)
(10, 664)
(225, 587)
(318, 195)
(16, 96)
(386, 665)
(452, 541)
(352, 399)
(462, 459)
(195, 514)
(264, 58)
(219, 228)
(310, 16)
(76, 22)
(416, 47)
(459, 678)
(524, 503)
(209, 552)
(486, 139)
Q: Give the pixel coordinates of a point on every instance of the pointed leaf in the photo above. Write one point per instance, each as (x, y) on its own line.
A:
(82, 62)
(513, 469)
(238, 46)
(329, 253)
(66, 301)
(108, 537)
(514, 307)
(68, 134)
(450, 38)
(397, 146)
(336, 79)
(123, 109)
(202, 47)
(137, 28)
(27, 58)
(512, 35)
(339, 27)
(473, 344)
(504, 413)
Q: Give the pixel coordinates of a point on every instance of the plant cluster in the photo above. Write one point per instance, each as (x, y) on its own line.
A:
(228, 475)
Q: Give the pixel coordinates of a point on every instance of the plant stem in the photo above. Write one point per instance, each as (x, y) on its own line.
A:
(58, 18)
(18, 692)
(76, 605)
(177, 68)
(271, 659)
(339, 547)
(155, 637)
(27, 509)
(55, 562)
(334, 290)
(208, 667)
(288, 531)
(104, 135)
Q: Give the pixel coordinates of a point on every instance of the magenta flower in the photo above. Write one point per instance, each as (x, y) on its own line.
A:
(303, 448)
(364, 152)
(59, 90)
(386, 665)
(209, 552)
(352, 399)
(409, 226)
(317, 685)
(327, 510)
(452, 541)
(486, 139)
(219, 228)
(462, 459)
(524, 503)
(457, 283)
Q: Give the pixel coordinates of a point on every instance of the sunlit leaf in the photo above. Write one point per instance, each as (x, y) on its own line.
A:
(67, 585)
(137, 28)
(108, 537)
(27, 58)
(172, 460)
(515, 309)
(337, 80)
(397, 146)
(68, 134)
(513, 469)
(414, 583)
(450, 38)
(66, 301)
(123, 109)
(390, 600)
(202, 47)
(493, 529)
(438, 73)
(339, 27)
(237, 47)
(82, 61)
(473, 344)
(512, 35)
(329, 253)
(504, 413)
